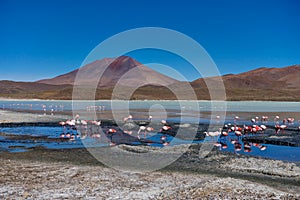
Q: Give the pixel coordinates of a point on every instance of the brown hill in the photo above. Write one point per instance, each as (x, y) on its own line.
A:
(261, 78)
(260, 84)
(11, 89)
(125, 70)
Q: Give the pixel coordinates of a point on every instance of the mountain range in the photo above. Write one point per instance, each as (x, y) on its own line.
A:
(281, 84)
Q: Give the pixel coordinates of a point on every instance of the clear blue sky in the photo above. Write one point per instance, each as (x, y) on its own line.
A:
(45, 38)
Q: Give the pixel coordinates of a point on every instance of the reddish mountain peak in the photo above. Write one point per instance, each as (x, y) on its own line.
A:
(123, 62)
(109, 71)
(113, 63)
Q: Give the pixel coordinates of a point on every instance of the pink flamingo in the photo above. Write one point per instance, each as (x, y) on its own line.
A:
(280, 127)
(127, 118)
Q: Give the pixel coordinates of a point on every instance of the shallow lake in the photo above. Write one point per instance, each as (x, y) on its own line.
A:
(177, 109)
(286, 153)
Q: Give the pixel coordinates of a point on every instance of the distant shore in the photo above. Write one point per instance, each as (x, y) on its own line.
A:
(183, 100)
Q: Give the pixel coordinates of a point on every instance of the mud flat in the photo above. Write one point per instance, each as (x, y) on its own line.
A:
(289, 138)
(21, 117)
(74, 173)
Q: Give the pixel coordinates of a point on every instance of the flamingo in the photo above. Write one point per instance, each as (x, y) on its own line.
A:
(264, 119)
(70, 122)
(128, 132)
(280, 127)
(97, 123)
(236, 128)
(221, 145)
(261, 147)
(129, 124)
(256, 119)
(145, 129)
(218, 118)
(149, 129)
(166, 128)
(263, 127)
(247, 147)
(236, 118)
(213, 134)
(142, 129)
(83, 122)
(163, 138)
(163, 121)
(276, 119)
(290, 120)
(96, 135)
(63, 125)
(111, 131)
(224, 145)
(129, 118)
(256, 128)
(238, 133)
(166, 143)
(237, 146)
(247, 129)
(224, 133)
(68, 135)
(72, 138)
(284, 121)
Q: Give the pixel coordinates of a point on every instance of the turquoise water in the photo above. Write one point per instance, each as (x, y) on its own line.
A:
(234, 106)
(286, 153)
(54, 132)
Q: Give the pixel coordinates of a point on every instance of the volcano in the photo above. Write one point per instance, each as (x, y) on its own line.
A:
(108, 72)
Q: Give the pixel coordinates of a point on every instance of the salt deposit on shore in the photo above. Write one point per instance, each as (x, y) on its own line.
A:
(40, 180)
(75, 174)
(20, 117)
